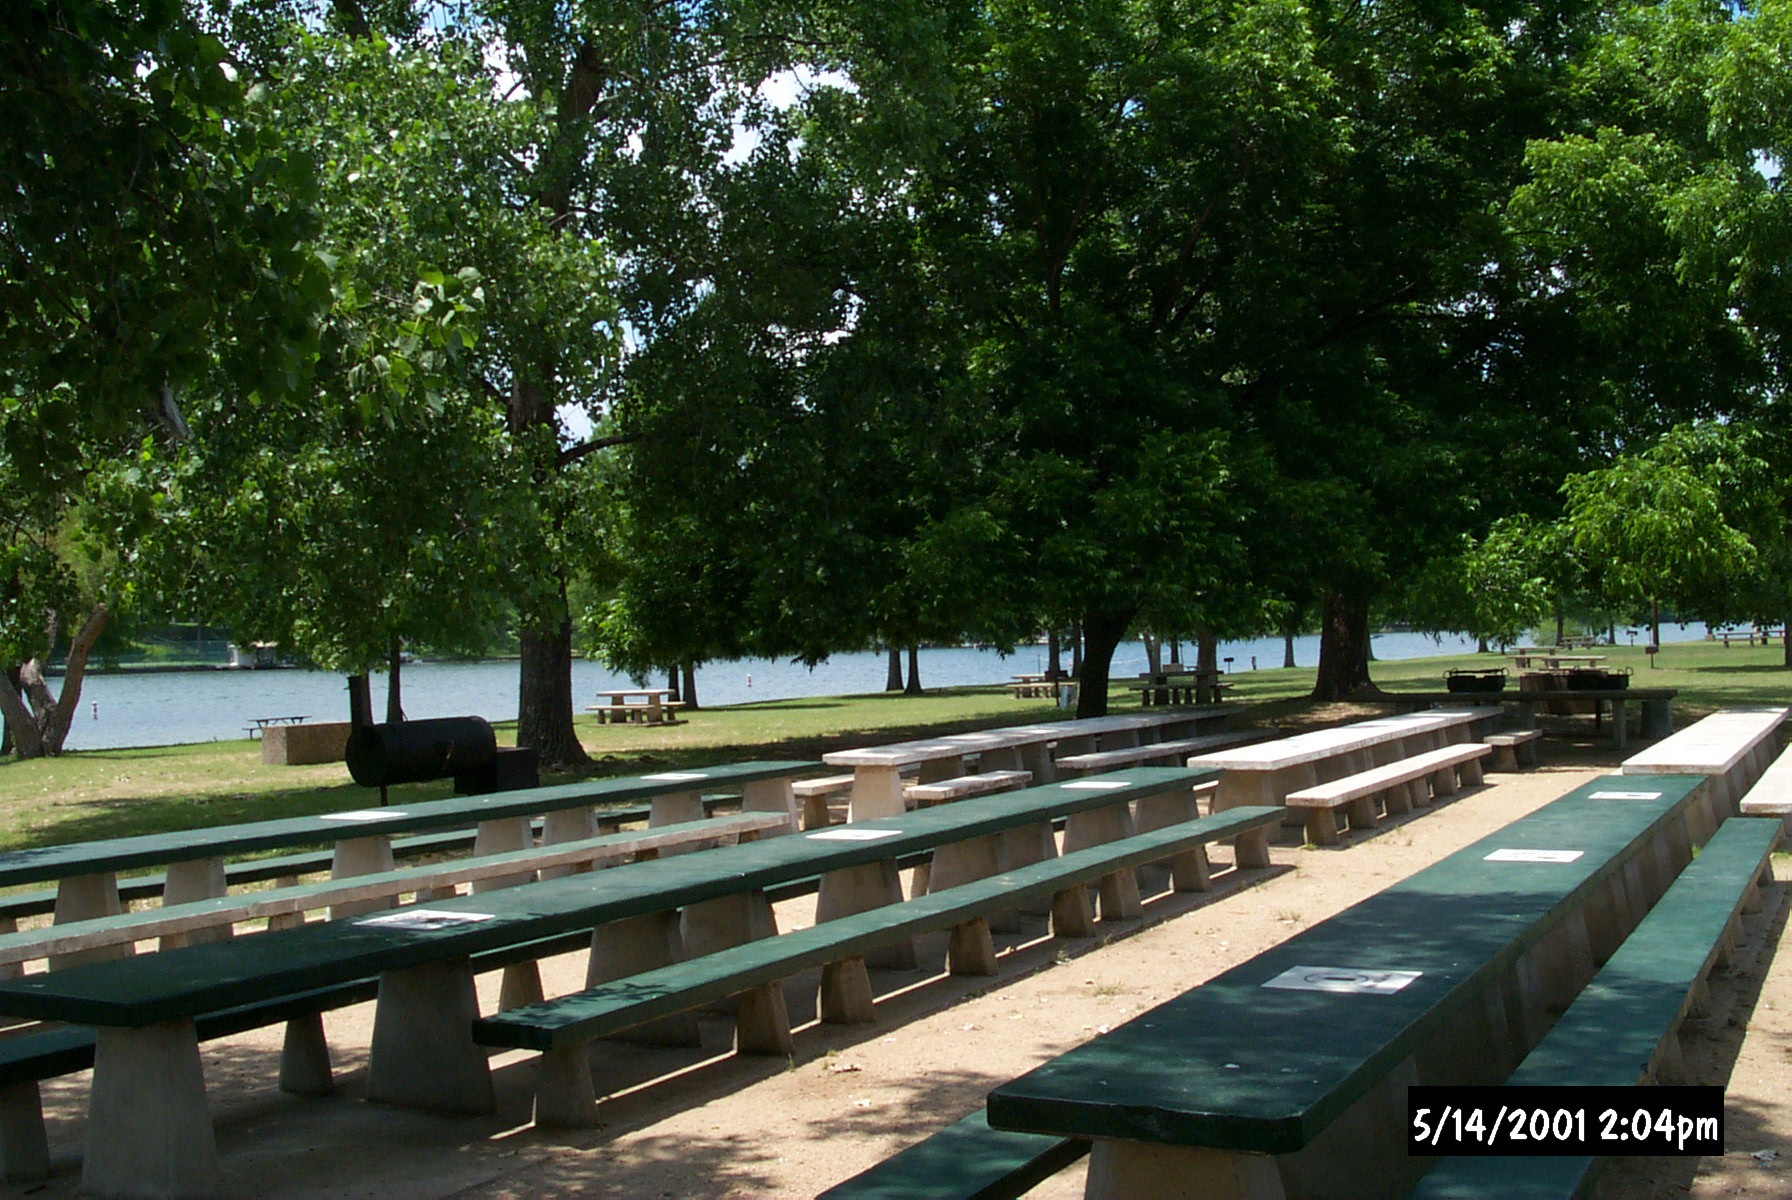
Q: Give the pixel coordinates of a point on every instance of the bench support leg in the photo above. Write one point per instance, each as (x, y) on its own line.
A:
(24, 1146)
(1362, 813)
(623, 948)
(972, 951)
(1073, 915)
(565, 1097)
(1148, 1171)
(1470, 769)
(423, 1055)
(845, 997)
(1189, 872)
(858, 889)
(148, 1132)
(1322, 827)
(305, 1058)
(763, 1024)
(1251, 848)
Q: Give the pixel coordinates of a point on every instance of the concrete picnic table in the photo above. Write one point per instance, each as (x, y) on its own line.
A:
(1266, 772)
(1733, 748)
(621, 704)
(877, 770)
(148, 1128)
(1287, 1075)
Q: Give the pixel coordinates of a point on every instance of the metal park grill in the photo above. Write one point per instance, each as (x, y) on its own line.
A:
(419, 751)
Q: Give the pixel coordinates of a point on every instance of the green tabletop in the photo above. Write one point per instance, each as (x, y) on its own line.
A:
(1237, 1065)
(195, 979)
(153, 849)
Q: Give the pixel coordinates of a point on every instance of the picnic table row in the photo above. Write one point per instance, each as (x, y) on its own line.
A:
(1287, 1076)
(148, 1129)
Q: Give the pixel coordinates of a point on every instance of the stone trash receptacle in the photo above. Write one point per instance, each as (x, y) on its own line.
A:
(300, 745)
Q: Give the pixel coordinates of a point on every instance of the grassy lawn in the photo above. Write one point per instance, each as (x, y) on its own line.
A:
(113, 793)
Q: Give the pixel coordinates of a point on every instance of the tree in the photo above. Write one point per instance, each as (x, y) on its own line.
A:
(1654, 521)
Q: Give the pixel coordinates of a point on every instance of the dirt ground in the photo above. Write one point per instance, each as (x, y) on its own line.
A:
(707, 1125)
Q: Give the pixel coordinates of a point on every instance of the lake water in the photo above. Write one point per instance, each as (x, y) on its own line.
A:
(165, 708)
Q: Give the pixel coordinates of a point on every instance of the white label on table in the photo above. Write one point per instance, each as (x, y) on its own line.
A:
(1350, 980)
(364, 814)
(424, 918)
(1537, 856)
(1624, 796)
(853, 835)
(1093, 785)
(676, 776)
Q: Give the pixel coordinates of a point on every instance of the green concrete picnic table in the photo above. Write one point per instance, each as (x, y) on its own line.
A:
(86, 873)
(147, 1102)
(1286, 1076)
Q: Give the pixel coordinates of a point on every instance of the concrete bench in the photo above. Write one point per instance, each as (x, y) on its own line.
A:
(946, 790)
(1167, 753)
(965, 1161)
(1623, 1029)
(1512, 749)
(1434, 772)
(1287, 1075)
(816, 795)
(755, 970)
(1771, 795)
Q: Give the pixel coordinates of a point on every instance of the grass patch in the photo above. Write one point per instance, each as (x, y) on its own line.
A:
(91, 794)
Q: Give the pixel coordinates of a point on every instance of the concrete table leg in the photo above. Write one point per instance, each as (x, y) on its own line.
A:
(857, 889)
(82, 898)
(148, 1131)
(361, 856)
(423, 1054)
(876, 792)
(775, 796)
(200, 879)
(623, 948)
(24, 1146)
(1147, 1171)
(675, 808)
(567, 825)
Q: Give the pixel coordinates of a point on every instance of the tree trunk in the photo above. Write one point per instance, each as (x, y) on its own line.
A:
(1076, 652)
(12, 683)
(24, 737)
(395, 683)
(1054, 659)
(1655, 622)
(1101, 634)
(1343, 640)
(672, 683)
(690, 684)
(544, 696)
(1287, 648)
(1207, 664)
(42, 728)
(1561, 626)
(893, 676)
(914, 672)
(1154, 655)
(1786, 641)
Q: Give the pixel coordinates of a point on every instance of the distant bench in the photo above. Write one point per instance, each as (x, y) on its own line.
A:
(1433, 772)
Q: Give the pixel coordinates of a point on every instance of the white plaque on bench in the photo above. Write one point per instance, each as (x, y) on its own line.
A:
(1348, 980)
(364, 814)
(676, 776)
(424, 918)
(1624, 796)
(853, 835)
(1534, 856)
(1093, 785)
